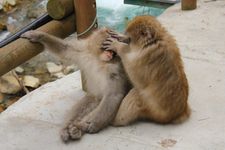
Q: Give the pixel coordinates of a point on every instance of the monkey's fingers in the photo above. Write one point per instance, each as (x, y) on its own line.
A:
(65, 135)
(33, 36)
(104, 47)
(107, 43)
(115, 35)
(110, 48)
(111, 32)
(107, 48)
(109, 39)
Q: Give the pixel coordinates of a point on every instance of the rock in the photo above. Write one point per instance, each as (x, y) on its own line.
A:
(1, 98)
(11, 101)
(9, 84)
(59, 75)
(70, 69)
(1, 7)
(36, 10)
(7, 5)
(9, 2)
(31, 81)
(1, 108)
(2, 25)
(53, 68)
(19, 70)
(32, 14)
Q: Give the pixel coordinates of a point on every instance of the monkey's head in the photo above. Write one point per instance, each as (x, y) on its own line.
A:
(95, 44)
(144, 31)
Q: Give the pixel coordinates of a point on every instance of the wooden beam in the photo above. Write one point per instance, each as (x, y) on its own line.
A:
(59, 9)
(21, 50)
(188, 4)
(85, 11)
(150, 3)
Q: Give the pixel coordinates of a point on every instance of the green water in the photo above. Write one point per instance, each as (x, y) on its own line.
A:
(117, 16)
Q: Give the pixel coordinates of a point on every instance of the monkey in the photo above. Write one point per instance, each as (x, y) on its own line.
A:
(106, 80)
(152, 61)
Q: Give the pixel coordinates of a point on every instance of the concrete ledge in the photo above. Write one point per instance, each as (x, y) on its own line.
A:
(35, 120)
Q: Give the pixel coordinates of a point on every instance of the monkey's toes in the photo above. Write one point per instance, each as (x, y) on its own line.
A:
(89, 127)
(65, 135)
(74, 133)
(113, 33)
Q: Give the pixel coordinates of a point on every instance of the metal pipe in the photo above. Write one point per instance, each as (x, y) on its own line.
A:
(33, 25)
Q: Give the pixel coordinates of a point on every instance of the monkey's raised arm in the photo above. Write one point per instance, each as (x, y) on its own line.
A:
(55, 45)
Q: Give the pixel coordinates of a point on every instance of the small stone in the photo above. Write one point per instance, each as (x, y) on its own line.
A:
(1, 98)
(19, 70)
(9, 84)
(1, 108)
(31, 81)
(70, 69)
(11, 101)
(1, 7)
(53, 68)
(11, 2)
(2, 26)
(59, 75)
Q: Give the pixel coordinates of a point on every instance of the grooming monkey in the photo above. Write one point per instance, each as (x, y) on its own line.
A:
(153, 64)
(106, 81)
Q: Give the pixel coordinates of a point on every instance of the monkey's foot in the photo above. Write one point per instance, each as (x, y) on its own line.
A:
(33, 36)
(89, 126)
(71, 133)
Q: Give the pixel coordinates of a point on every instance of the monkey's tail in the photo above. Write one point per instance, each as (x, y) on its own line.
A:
(184, 116)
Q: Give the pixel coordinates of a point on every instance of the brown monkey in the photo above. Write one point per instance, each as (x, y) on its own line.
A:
(153, 63)
(107, 83)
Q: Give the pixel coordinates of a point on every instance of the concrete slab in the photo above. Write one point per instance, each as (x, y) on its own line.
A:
(35, 120)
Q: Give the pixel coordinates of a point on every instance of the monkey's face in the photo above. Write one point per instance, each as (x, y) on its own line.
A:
(143, 31)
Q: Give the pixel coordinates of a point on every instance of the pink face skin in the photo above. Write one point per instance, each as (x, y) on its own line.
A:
(106, 55)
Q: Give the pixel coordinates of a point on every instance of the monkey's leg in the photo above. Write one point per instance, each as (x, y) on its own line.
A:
(103, 114)
(81, 109)
(129, 110)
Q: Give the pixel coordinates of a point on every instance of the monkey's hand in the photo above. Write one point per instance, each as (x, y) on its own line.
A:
(112, 44)
(33, 36)
(120, 37)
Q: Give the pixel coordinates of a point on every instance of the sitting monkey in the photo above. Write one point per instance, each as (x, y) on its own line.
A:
(153, 64)
(106, 81)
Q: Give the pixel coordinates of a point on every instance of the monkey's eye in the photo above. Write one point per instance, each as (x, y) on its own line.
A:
(143, 33)
(126, 40)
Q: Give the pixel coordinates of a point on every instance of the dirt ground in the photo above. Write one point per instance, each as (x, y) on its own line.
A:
(15, 18)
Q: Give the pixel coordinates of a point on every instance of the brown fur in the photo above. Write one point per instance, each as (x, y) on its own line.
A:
(106, 80)
(153, 63)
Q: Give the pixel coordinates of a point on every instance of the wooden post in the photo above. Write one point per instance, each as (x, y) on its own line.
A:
(59, 9)
(85, 11)
(21, 50)
(188, 4)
